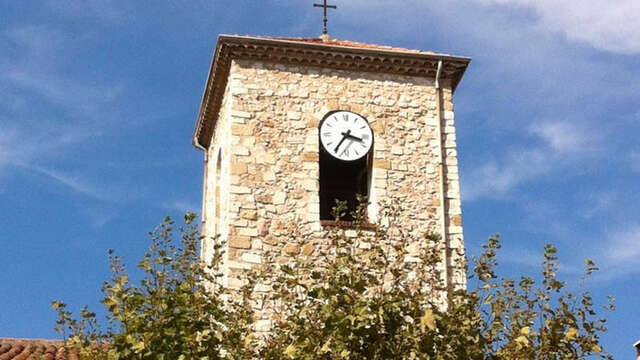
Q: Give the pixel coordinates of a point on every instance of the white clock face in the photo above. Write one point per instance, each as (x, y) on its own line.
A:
(346, 136)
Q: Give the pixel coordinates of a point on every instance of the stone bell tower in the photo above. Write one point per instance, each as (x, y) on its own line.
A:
(388, 131)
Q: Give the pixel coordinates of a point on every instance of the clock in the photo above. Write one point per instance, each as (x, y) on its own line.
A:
(346, 136)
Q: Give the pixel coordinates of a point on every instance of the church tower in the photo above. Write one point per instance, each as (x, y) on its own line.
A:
(288, 125)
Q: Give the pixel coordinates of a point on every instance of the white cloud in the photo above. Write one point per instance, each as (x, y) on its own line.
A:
(560, 143)
(181, 206)
(534, 259)
(622, 247)
(619, 253)
(496, 178)
(566, 137)
(73, 182)
(599, 203)
(26, 142)
(611, 26)
(38, 65)
(35, 72)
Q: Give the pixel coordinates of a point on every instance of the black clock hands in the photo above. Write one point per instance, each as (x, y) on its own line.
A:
(344, 137)
(348, 134)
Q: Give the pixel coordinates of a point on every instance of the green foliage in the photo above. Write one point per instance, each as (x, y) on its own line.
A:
(370, 298)
(177, 311)
(366, 294)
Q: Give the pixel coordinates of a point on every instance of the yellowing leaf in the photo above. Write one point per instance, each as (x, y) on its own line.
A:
(525, 330)
(325, 348)
(290, 351)
(522, 340)
(138, 346)
(571, 334)
(428, 320)
(219, 335)
(247, 340)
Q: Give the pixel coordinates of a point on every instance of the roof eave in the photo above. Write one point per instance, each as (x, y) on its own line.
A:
(228, 40)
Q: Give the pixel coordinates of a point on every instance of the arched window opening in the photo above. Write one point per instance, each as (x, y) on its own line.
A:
(217, 192)
(346, 147)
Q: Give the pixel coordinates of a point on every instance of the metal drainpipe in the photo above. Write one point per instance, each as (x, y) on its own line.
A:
(441, 172)
(203, 222)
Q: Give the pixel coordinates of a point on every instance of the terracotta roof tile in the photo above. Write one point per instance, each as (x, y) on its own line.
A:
(34, 349)
(351, 44)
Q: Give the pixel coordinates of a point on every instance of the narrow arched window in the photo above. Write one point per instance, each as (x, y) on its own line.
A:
(346, 148)
(217, 192)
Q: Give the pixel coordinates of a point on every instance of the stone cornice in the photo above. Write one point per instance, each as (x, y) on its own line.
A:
(339, 55)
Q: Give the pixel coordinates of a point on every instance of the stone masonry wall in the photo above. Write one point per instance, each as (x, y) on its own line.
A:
(267, 135)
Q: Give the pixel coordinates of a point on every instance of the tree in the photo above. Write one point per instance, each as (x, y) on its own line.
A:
(366, 301)
(179, 310)
(372, 296)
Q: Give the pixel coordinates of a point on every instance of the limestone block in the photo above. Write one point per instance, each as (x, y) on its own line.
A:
(237, 90)
(400, 166)
(298, 125)
(238, 168)
(240, 223)
(380, 174)
(449, 130)
(310, 185)
(308, 249)
(241, 130)
(294, 115)
(252, 258)
(397, 150)
(411, 259)
(240, 114)
(237, 265)
(380, 183)
(263, 325)
(313, 208)
(240, 189)
(262, 287)
(239, 242)
(310, 157)
(455, 229)
(382, 164)
(270, 240)
(269, 176)
(291, 249)
(248, 231)
(235, 283)
(240, 151)
(250, 215)
(264, 198)
(279, 197)
(451, 160)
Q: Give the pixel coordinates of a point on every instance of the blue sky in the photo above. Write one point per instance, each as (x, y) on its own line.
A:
(99, 99)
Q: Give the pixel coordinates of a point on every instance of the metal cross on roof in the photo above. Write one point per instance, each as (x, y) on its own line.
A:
(325, 7)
